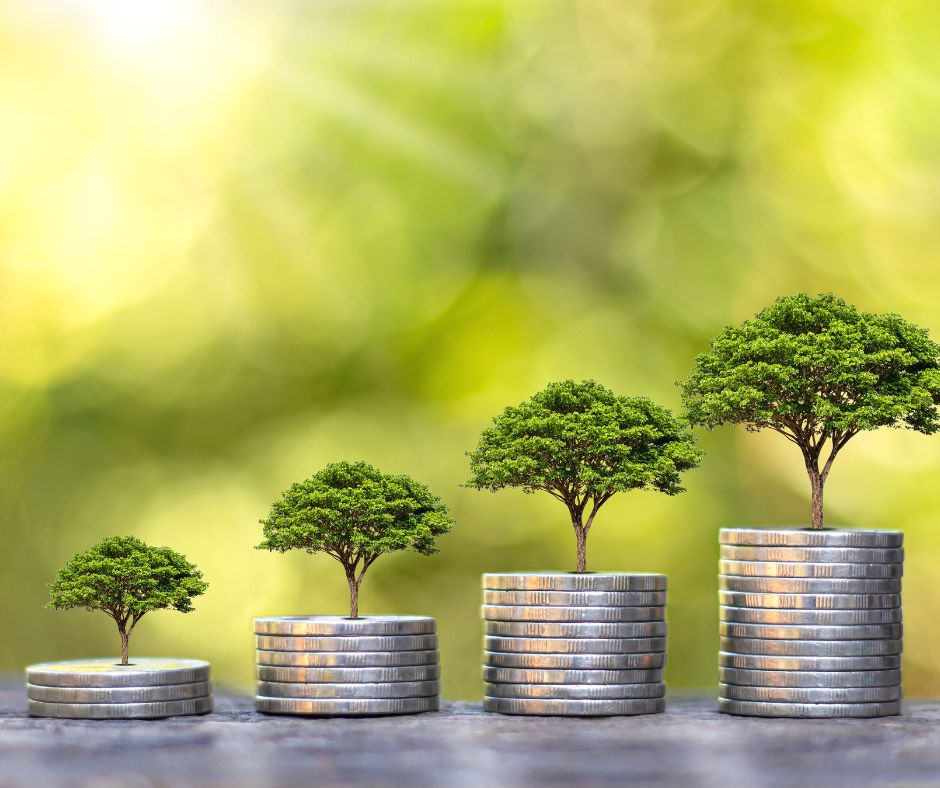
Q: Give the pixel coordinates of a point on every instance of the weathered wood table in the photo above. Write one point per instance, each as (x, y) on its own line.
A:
(690, 745)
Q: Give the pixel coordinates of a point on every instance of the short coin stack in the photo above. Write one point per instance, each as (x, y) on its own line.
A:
(810, 623)
(574, 644)
(103, 689)
(331, 665)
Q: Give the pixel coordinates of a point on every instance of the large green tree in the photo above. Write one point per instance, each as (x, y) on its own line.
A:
(355, 513)
(127, 578)
(818, 371)
(582, 444)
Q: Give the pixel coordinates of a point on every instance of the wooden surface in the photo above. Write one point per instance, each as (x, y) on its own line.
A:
(690, 745)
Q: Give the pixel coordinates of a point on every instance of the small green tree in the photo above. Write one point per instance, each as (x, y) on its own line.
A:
(819, 372)
(126, 578)
(355, 513)
(581, 443)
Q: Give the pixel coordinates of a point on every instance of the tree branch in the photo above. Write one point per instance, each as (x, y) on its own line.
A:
(599, 501)
(837, 446)
(789, 436)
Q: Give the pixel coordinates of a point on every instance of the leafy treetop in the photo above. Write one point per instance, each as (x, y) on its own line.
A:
(818, 371)
(355, 513)
(581, 443)
(127, 578)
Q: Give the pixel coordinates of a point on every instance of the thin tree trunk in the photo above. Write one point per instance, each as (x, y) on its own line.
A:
(125, 637)
(816, 481)
(353, 595)
(580, 533)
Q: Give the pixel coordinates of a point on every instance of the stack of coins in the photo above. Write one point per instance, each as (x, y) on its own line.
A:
(331, 665)
(102, 689)
(574, 644)
(810, 623)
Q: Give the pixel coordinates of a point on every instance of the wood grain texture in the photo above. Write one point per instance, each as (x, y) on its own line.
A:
(690, 745)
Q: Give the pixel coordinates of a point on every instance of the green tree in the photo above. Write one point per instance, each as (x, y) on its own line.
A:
(819, 372)
(127, 578)
(581, 443)
(355, 513)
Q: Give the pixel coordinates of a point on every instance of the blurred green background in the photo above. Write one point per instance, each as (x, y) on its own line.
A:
(240, 240)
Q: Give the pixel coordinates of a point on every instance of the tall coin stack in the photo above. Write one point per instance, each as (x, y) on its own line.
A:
(574, 644)
(810, 623)
(331, 665)
(102, 689)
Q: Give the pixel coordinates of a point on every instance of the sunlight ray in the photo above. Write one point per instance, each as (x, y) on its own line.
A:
(364, 116)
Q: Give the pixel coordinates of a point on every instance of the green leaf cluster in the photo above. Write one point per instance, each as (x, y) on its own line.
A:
(355, 513)
(816, 366)
(580, 440)
(126, 578)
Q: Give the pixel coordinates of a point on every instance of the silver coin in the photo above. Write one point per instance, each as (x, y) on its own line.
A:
(807, 632)
(574, 645)
(572, 614)
(747, 708)
(145, 672)
(811, 648)
(346, 643)
(573, 581)
(812, 664)
(816, 555)
(576, 691)
(162, 692)
(531, 676)
(506, 659)
(810, 571)
(545, 629)
(348, 675)
(316, 690)
(346, 708)
(575, 598)
(811, 694)
(347, 659)
(574, 708)
(807, 537)
(809, 601)
(325, 626)
(142, 672)
(758, 615)
(120, 711)
(799, 585)
(806, 678)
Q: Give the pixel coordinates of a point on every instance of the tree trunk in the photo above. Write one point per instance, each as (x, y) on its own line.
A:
(817, 481)
(353, 595)
(580, 533)
(125, 637)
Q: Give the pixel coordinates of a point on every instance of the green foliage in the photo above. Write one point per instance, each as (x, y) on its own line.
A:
(127, 578)
(581, 443)
(355, 513)
(818, 371)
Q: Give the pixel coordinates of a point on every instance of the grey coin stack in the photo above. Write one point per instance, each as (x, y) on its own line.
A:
(336, 666)
(810, 623)
(591, 644)
(103, 689)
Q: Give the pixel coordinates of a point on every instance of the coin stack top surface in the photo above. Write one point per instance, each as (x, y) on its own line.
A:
(569, 644)
(338, 666)
(148, 688)
(811, 622)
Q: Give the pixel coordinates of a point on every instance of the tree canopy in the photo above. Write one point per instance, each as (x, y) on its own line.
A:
(355, 513)
(818, 371)
(127, 578)
(582, 444)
